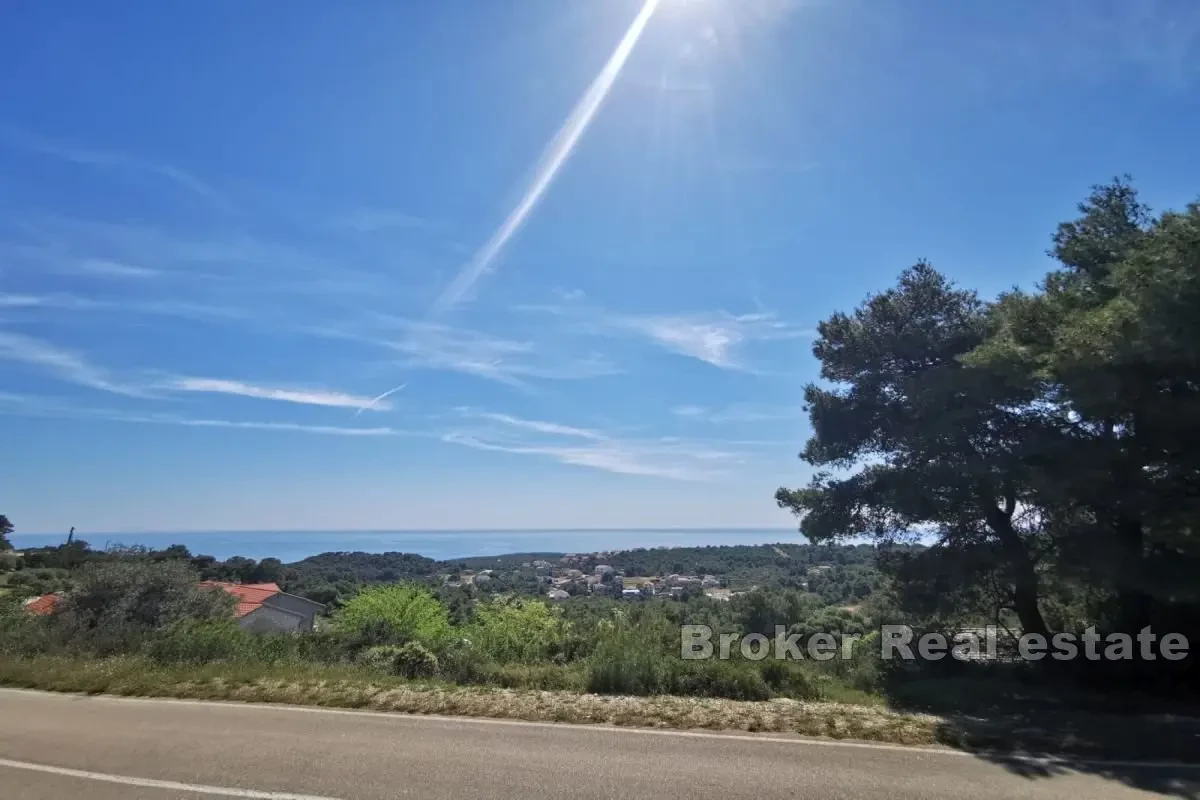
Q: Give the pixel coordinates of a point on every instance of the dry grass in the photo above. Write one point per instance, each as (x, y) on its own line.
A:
(347, 687)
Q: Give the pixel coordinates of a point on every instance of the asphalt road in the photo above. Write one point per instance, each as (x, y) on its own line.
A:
(64, 746)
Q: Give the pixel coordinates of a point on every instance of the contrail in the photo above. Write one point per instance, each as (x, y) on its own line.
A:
(554, 156)
(384, 396)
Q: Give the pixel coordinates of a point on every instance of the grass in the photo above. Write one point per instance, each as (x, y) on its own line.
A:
(1088, 733)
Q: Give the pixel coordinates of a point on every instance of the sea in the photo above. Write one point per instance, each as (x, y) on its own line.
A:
(291, 546)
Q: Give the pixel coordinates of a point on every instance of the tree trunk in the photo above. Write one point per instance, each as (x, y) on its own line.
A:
(1133, 598)
(1025, 579)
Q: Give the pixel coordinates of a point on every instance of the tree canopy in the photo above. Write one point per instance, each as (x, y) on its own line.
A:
(1045, 439)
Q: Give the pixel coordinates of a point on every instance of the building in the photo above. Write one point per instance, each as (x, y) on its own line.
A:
(601, 569)
(631, 594)
(44, 605)
(557, 594)
(265, 608)
(261, 607)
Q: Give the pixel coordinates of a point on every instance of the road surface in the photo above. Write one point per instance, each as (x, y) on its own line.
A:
(65, 746)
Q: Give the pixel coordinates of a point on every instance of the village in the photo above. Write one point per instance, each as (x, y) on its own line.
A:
(575, 574)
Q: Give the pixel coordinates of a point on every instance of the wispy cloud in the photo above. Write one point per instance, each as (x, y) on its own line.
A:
(715, 337)
(101, 158)
(327, 430)
(437, 346)
(63, 364)
(740, 412)
(51, 408)
(567, 444)
(181, 309)
(114, 269)
(535, 425)
(554, 156)
(311, 397)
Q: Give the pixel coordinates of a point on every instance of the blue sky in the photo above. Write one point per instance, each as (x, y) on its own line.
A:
(590, 240)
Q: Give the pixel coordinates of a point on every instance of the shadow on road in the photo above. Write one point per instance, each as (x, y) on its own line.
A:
(1037, 729)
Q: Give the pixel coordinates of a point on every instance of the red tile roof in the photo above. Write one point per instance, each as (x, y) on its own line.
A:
(249, 595)
(43, 605)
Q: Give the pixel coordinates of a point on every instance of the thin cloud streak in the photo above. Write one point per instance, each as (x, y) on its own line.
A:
(375, 400)
(536, 425)
(436, 346)
(669, 458)
(555, 155)
(99, 158)
(715, 337)
(312, 397)
(115, 269)
(63, 364)
(740, 412)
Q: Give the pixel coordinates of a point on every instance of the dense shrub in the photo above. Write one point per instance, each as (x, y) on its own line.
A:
(414, 660)
(734, 680)
(201, 642)
(516, 631)
(380, 658)
(794, 679)
(116, 606)
(395, 614)
(409, 660)
(22, 633)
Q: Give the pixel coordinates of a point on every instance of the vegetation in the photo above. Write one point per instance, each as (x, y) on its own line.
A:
(1046, 441)
(1031, 461)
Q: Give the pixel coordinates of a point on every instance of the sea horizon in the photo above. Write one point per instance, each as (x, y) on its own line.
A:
(295, 545)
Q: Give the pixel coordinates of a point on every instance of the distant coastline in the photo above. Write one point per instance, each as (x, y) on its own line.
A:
(290, 546)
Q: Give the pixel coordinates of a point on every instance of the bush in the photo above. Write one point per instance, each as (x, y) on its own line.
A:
(201, 642)
(414, 660)
(22, 633)
(116, 606)
(629, 658)
(790, 679)
(464, 663)
(516, 631)
(730, 679)
(410, 660)
(380, 658)
(395, 614)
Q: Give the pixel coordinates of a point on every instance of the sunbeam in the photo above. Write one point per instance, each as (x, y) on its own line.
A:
(554, 156)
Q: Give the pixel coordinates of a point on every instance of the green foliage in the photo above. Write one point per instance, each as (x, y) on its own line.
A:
(115, 606)
(33, 582)
(396, 613)
(414, 660)
(22, 633)
(6, 528)
(510, 630)
(408, 660)
(194, 641)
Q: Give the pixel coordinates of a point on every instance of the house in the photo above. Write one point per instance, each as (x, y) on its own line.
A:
(265, 608)
(261, 607)
(719, 594)
(601, 569)
(44, 605)
(557, 594)
(631, 594)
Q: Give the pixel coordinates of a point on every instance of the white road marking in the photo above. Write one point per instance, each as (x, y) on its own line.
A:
(409, 717)
(223, 791)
